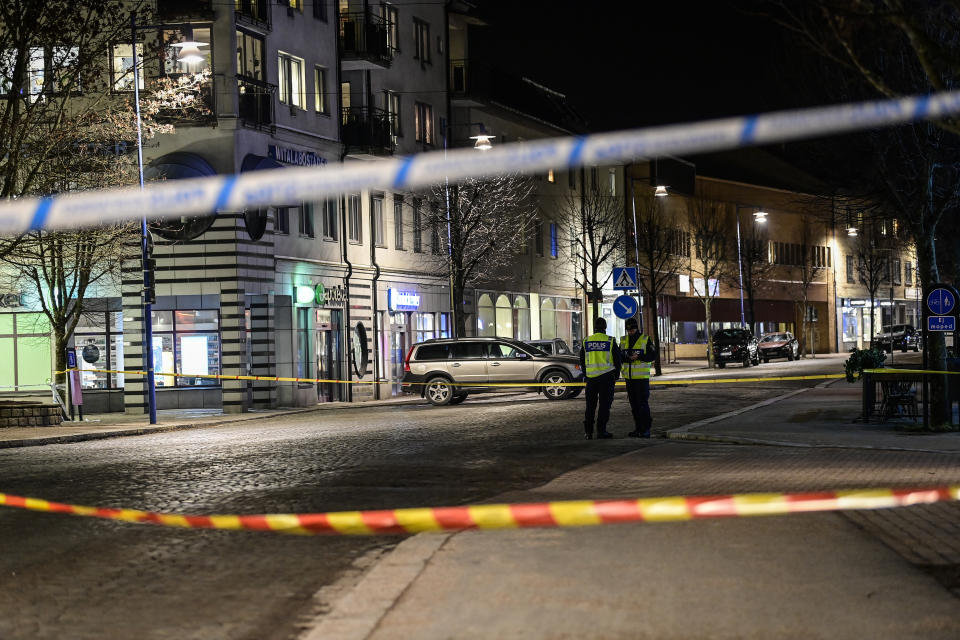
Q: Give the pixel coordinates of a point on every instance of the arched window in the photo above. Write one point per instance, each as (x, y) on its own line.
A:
(486, 320)
(521, 318)
(548, 320)
(504, 317)
(564, 322)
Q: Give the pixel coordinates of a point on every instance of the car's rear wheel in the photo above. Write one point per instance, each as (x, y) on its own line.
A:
(790, 355)
(746, 361)
(439, 391)
(556, 382)
(458, 399)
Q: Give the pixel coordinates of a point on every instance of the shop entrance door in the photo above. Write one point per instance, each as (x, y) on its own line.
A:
(329, 355)
(398, 352)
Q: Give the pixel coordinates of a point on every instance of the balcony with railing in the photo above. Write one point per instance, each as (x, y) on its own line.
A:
(168, 10)
(256, 103)
(368, 131)
(255, 12)
(363, 42)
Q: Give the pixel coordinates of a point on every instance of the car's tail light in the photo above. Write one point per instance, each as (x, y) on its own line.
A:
(406, 361)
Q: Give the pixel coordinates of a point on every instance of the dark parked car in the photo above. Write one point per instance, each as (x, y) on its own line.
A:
(447, 370)
(778, 345)
(735, 345)
(552, 347)
(898, 336)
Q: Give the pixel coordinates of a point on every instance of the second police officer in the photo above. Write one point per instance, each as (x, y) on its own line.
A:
(638, 353)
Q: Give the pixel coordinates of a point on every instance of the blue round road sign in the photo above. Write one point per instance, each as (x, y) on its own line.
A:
(625, 307)
(941, 302)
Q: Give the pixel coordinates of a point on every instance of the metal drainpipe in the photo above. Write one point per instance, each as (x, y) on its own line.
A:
(373, 297)
(343, 215)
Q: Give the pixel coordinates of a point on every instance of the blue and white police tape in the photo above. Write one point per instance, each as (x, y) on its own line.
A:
(262, 188)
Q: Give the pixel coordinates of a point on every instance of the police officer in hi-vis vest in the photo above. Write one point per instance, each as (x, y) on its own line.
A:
(638, 352)
(600, 361)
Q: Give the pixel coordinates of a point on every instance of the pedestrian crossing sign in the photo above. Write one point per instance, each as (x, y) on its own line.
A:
(625, 278)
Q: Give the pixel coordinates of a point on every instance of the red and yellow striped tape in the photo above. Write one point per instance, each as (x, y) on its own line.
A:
(570, 513)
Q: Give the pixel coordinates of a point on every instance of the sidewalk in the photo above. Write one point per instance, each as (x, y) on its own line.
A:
(112, 425)
(806, 575)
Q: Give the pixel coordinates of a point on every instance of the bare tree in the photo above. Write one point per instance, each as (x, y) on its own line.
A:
(664, 251)
(872, 248)
(477, 227)
(809, 262)
(68, 123)
(755, 266)
(710, 226)
(597, 232)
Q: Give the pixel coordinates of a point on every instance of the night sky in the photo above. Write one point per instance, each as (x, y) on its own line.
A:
(630, 64)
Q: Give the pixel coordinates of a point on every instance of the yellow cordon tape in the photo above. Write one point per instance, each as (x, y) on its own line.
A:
(458, 384)
(570, 513)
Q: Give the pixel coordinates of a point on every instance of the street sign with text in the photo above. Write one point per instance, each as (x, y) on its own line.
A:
(941, 323)
(941, 301)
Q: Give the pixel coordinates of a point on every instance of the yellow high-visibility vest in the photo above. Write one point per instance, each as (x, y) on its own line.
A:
(635, 369)
(598, 355)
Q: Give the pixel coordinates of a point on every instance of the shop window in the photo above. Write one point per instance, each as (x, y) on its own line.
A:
(187, 343)
(564, 319)
(303, 342)
(851, 322)
(25, 348)
(424, 326)
(486, 318)
(521, 318)
(98, 339)
(504, 317)
(446, 331)
(548, 320)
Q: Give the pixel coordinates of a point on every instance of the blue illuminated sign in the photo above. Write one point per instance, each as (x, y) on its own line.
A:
(941, 323)
(402, 300)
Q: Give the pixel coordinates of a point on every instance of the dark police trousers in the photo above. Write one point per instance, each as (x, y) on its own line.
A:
(599, 389)
(638, 391)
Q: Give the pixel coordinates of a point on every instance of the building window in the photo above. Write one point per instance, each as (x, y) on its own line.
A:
(356, 222)
(896, 271)
(550, 177)
(25, 345)
(398, 222)
(554, 246)
(306, 219)
(187, 342)
(49, 69)
(908, 273)
(282, 220)
(174, 39)
(678, 242)
(320, 9)
(121, 67)
(392, 19)
(376, 212)
(421, 41)
(98, 339)
(303, 342)
(424, 123)
(613, 182)
(293, 4)
(320, 90)
(595, 178)
(572, 179)
(291, 80)
(329, 220)
(851, 272)
(417, 226)
(249, 55)
(436, 237)
(391, 104)
(538, 237)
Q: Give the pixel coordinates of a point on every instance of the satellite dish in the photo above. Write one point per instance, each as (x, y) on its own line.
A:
(178, 166)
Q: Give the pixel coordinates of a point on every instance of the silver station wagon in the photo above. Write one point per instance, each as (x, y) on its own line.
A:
(446, 371)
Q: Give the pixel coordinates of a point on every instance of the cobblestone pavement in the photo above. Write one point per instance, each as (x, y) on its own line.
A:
(70, 578)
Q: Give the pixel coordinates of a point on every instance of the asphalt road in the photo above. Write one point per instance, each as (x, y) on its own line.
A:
(67, 577)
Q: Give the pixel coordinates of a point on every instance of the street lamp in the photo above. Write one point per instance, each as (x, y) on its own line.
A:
(759, 217)
(189, 52)
(482, 144)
